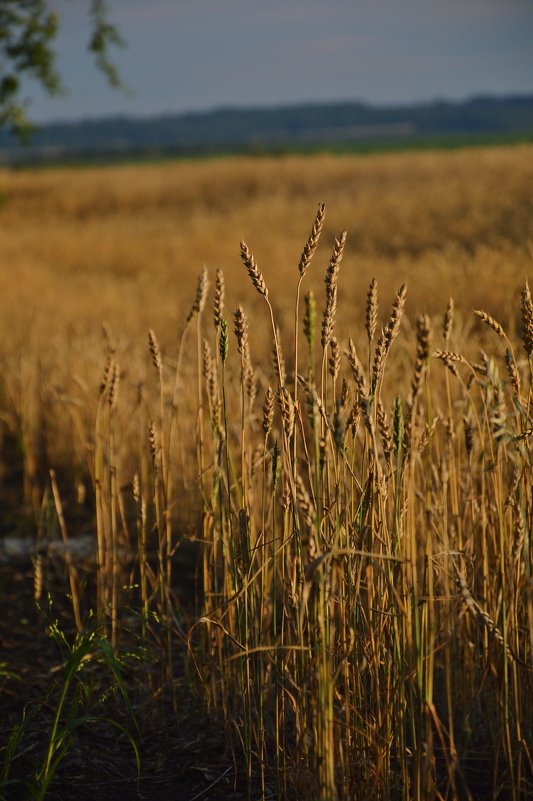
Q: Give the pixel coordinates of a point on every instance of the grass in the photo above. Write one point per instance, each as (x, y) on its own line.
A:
(356, 477)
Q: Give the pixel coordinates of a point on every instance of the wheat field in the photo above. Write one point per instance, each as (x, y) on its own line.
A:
(78, 244)
(330, 359)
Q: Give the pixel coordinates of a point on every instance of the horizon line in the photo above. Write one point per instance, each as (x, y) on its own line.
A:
(235, 107)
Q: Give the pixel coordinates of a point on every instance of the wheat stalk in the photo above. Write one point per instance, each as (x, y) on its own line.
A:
(331, 279)
(447, 322)
(312, 242)
(387, 336)
(218, 302)
(371, 315)
(268, 412)
(486, 318)
(155, 351)
(253, 270)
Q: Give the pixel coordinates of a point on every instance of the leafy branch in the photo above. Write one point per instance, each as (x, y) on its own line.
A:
(28, 32)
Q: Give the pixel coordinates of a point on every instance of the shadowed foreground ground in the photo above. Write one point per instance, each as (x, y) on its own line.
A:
(183, 756)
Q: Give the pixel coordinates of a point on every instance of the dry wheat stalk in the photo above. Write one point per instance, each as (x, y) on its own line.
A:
(345, 393)
(243, 347)
(512, 370)
(218, 303)
(427, 434)
(484, 367)
(371, 315)
(209, 374)
(286, 493)
(241, 329)
(106, 374)
(199, 296)
(305, 504)
(201, 292)
(449, 359)
(328, 321)
(388, 335)
(469, 436)
(354, 417)
(498, 412)
(287, 411)
(393, 325)
(312, 242)
(379, 359)
(310, 318)
(448, 355)
(214, 398)
(526, 309)
(478, 612)
(152, 441)
(335, 262)
(38, 576)
(331, 279)
(114, 385)
(491, 322)
(423, 337)
(136, 488)
(368, 417)
(138, 497)
(268, 412)
(335, 358)
(207, 359)
(357, 369)
(385, 431)
(253, 270)
(447, 322)
(155, 351)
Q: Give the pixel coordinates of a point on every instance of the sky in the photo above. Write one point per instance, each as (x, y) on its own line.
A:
(184, 55)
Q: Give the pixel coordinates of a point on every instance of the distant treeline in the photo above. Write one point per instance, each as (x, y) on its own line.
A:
(296, 127)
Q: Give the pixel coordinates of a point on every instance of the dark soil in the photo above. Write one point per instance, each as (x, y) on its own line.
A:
(184, 754)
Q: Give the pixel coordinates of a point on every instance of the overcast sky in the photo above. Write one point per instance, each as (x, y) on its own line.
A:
(199, 54)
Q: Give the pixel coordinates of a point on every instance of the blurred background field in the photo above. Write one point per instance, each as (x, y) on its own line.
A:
(124, 244)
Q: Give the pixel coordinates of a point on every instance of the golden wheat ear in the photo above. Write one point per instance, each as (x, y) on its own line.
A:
(526, 309)
(218, 303)
(312, 242)
(371, 315)
(253, 270)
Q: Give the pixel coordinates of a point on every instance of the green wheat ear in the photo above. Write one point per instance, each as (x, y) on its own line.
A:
(398, 425)
(223, 342)
(310, 318)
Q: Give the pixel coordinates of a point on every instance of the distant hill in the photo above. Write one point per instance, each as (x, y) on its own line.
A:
(346, 125)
